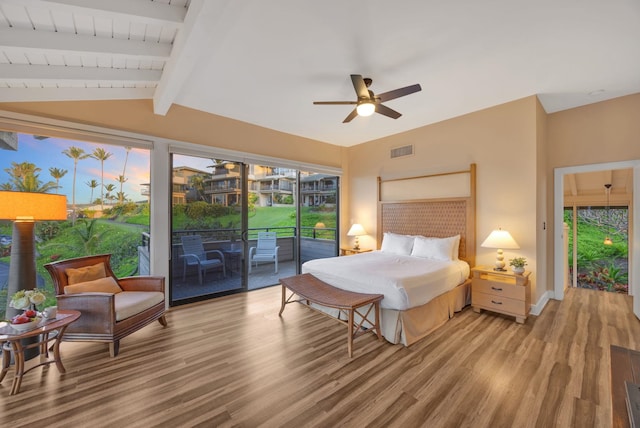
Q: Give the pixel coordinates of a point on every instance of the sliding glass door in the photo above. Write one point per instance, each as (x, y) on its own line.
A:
(207, 250)
(318, 210)
(223, 241)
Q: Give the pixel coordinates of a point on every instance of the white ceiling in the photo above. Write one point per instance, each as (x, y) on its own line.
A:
(265, 62)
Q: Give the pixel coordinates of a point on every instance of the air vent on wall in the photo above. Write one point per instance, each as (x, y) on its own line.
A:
(402, 151)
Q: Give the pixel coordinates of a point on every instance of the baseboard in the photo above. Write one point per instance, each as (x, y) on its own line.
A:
(538, 307)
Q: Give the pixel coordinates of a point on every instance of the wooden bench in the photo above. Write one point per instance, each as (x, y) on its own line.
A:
(311, 289)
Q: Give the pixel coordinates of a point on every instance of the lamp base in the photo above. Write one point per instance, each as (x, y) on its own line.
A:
(499, 269)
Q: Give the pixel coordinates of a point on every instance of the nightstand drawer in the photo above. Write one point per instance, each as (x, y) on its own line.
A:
(499, 304)
(499, 288)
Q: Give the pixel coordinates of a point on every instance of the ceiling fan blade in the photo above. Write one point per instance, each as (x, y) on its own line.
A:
(359, 86)
(349, 118)
(397, 93)
(335, 102)
(386, 111)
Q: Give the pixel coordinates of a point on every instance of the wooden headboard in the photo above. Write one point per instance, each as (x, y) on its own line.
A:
(438, 205)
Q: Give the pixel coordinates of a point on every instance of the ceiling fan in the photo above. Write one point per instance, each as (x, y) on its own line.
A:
(368, 102)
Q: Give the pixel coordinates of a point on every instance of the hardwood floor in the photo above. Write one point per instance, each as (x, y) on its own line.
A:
(234, 362)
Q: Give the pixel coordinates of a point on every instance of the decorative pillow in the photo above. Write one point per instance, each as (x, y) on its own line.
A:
(84, 274)
(433, 248)
(397, 244)
(101, 285)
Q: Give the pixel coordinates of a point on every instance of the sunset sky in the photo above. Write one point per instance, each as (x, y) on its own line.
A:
(48, 153)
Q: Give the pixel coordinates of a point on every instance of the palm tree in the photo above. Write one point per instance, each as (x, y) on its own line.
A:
(75, 153)
(109, 188)
(25, 178)
(92, 184)
(122, 178)
(101, 155)
(57, 174)
(122, 197)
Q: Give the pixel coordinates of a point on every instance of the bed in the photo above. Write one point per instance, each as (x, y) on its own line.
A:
(426, 245)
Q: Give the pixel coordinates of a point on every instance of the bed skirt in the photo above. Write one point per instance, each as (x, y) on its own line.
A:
(409, 326)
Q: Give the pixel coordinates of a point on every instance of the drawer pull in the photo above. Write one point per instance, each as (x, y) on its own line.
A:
(496, 289)
(496, 303)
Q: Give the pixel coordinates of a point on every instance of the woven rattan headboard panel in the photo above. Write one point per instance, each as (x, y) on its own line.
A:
(440, 217)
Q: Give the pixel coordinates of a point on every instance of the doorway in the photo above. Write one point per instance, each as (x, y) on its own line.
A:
(598, 247)
(634, 232)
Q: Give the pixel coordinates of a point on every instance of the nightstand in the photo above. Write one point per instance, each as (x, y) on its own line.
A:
(502, 292)
(351, 251)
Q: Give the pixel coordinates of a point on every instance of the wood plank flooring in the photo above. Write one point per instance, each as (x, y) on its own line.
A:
(234, 362)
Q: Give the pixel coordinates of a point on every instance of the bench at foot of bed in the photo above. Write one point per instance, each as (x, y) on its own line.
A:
(311, 290)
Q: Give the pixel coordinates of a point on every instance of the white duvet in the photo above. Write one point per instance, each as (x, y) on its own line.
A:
(405, 281)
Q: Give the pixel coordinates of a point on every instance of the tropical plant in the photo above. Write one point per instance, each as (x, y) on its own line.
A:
(110, 188)
(25, 178)
(121, 195)
(77, 154)
(92, 184)
(89, 235)
(57, 174)
(102, 155)
(122, 179)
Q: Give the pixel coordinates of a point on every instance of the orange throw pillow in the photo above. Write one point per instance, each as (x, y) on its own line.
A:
(84, 274)
(101, 285)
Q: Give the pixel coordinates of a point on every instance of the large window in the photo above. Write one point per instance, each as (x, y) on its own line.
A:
(107, 188)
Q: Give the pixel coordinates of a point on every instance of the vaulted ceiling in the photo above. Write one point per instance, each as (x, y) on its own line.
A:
(265, 62)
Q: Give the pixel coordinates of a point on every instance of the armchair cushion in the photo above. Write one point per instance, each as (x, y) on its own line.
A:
(129, 303)
(101, 285)
(87, 273)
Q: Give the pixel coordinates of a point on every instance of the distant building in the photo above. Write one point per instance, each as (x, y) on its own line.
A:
(271, 185)
(318, 189)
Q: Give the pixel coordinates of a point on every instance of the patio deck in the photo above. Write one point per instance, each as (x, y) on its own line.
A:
(260, 277)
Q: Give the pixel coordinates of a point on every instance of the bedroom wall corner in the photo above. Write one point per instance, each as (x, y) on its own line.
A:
(599, 133)
(543, 211)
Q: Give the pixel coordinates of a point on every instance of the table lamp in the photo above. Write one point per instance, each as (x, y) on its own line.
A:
(500, 240)
(356, 230)
(24, 208)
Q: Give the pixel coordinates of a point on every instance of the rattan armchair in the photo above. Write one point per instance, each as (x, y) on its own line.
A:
(108, 317)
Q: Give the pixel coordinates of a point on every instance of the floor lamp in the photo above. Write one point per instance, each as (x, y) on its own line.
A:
(24, 208)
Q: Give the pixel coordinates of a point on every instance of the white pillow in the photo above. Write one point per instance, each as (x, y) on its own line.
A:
(434, 248)
(397, 244)
(455, 253)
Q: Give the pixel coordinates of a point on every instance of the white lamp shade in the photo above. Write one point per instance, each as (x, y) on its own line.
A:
(356, 230)
(500, 239)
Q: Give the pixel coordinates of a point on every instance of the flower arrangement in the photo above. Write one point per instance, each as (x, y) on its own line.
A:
(23, 299)
(518, 262)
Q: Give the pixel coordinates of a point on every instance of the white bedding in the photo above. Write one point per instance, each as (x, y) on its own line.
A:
(405, 281)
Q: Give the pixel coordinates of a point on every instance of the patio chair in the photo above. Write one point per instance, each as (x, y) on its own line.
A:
(194, 254)
(265, 251)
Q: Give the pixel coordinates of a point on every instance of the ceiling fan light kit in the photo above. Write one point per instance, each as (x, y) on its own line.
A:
(366, 109)
(368, 102)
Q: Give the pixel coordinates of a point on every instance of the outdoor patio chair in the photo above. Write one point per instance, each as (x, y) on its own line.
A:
(194, 255)
(265, 251)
